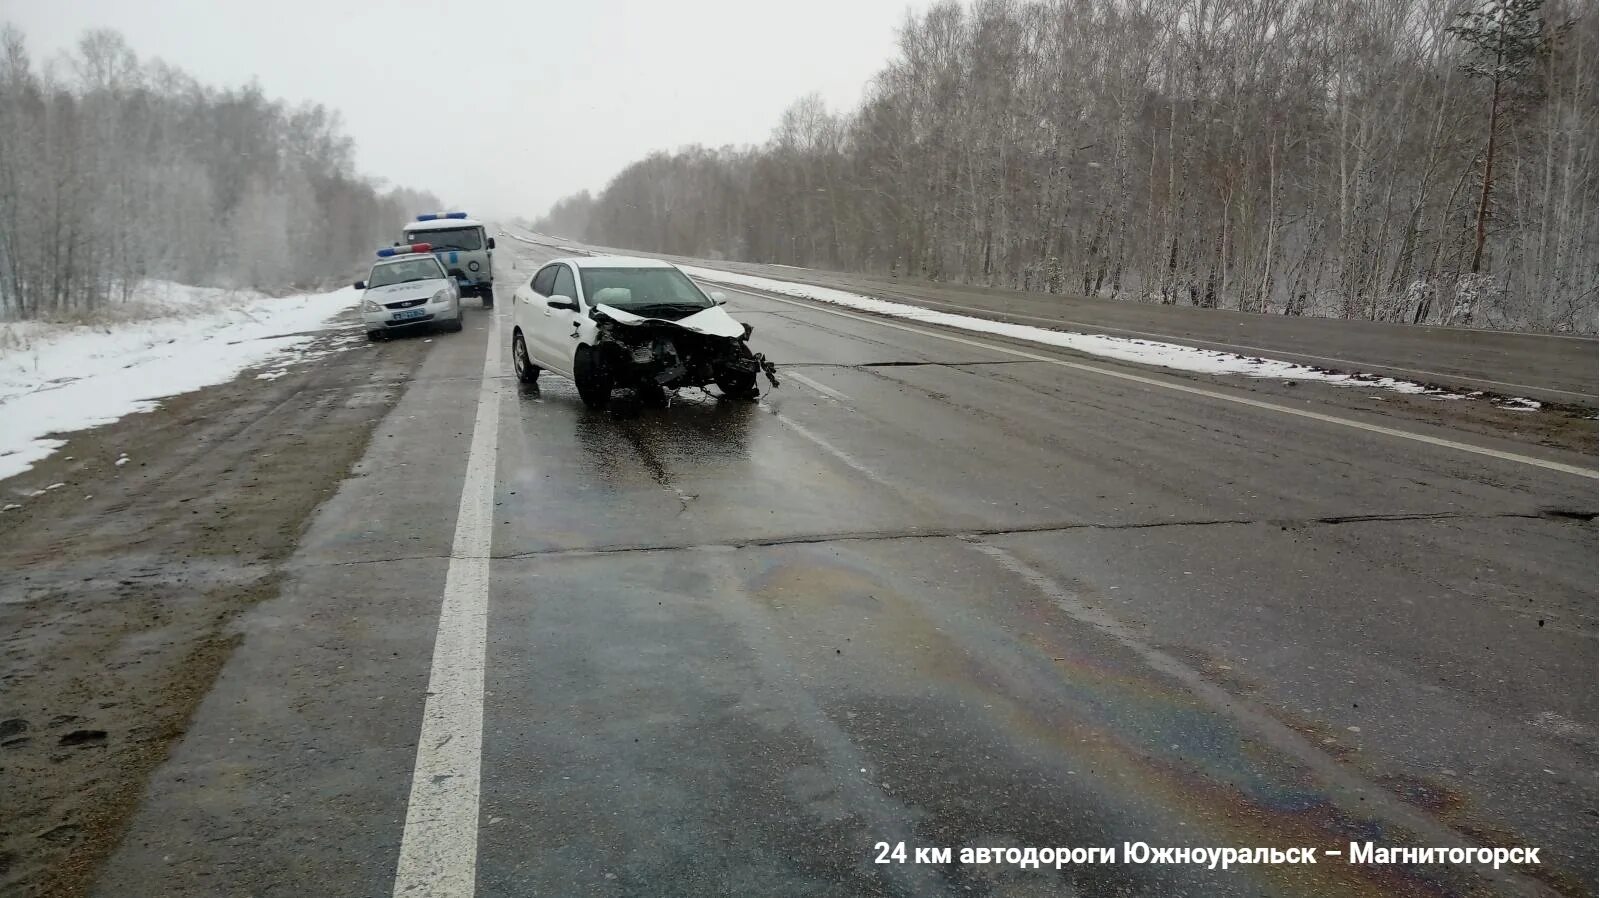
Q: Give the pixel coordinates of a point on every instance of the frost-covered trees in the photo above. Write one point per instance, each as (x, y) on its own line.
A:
(1303, 157)
(568, 217)
(113, 171)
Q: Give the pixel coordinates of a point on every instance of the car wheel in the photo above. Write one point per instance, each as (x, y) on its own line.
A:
(527, 371)
(738, 385)
(375, 336)
(454, 325)
(652, 395)
(594, 381)
(488, 300)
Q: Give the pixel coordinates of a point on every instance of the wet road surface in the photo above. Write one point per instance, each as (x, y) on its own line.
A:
(926, 592)
(1549, 368)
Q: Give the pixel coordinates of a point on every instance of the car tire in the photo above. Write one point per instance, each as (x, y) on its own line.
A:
(738, 385)
(651, 395)
(453, 325)
(488, 300)
(593, 380)
(375, 336)
(527, 371)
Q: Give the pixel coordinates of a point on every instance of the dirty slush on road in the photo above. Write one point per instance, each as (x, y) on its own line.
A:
(127, 578)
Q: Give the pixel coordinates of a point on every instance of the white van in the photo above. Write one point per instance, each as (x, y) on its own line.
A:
(462, 246)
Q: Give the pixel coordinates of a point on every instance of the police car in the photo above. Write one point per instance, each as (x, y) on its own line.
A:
(463, 247)
(408, 287)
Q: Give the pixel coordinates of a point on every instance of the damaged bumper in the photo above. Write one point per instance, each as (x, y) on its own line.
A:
(699, 350)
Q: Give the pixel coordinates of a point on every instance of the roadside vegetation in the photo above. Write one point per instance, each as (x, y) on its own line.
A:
(116, 171)
(1419, 161)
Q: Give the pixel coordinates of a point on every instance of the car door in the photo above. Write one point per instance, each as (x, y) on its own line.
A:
(532, 316)
(562, 329)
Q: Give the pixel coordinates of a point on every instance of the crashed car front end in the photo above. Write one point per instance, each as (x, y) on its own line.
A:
(698, 350)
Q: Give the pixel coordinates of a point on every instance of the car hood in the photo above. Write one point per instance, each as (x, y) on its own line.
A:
(712, 322)
(412, 290)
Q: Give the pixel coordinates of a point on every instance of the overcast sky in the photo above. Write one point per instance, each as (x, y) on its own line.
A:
(508, 105)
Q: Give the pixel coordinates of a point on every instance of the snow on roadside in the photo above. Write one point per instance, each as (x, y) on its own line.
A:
(56, 378)
(1126, 349)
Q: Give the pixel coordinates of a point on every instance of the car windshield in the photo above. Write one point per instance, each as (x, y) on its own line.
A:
(452, 238)
(405, 271)
(666, 288)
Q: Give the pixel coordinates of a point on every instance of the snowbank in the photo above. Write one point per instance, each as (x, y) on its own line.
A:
(1126, 349)
(58, 378)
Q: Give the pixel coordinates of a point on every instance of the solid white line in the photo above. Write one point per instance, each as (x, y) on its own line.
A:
(1590, 473)
(439, 851)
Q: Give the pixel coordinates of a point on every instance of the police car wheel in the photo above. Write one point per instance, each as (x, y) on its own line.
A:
(453, 326)
(375, 336)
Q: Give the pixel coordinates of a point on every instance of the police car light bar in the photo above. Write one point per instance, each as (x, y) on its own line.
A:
(404, 250)
(435, 216)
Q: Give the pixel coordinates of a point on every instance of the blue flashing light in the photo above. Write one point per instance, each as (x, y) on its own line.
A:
(406, 250)
(435, 216)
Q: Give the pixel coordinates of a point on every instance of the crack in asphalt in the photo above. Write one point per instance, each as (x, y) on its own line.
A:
(1557, 514)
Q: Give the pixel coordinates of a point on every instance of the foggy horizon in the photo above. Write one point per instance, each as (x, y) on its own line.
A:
(513, 171)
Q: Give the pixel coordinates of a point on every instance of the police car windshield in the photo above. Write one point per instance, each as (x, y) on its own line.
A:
(405, 271)
(646, 287)
(454, 238)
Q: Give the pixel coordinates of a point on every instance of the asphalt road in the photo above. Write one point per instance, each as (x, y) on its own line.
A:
(929, 591)
(1548, 368)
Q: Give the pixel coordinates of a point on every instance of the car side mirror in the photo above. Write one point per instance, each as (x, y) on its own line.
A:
(491, 243)
(562, 302)
(718, 297)
(360, 285)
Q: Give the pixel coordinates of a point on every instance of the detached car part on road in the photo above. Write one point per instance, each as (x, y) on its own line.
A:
(463, 247)
(612, 322)
(408, 288)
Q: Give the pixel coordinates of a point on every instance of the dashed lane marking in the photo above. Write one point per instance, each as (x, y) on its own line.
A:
(1503, 455)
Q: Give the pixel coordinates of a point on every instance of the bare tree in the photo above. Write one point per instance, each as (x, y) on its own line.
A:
(1297, 157)
(114, 171)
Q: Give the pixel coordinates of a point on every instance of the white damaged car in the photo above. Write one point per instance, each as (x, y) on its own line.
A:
(612, 322)
(408, 288)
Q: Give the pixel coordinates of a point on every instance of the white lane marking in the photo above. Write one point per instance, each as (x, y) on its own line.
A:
(1590, 473)
(825, 390)
(1347, 784)
(439, 851)
(821, 443)
(1259, 350)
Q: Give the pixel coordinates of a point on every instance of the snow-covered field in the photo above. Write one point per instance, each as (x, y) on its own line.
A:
(1127, 349)
(57, 378)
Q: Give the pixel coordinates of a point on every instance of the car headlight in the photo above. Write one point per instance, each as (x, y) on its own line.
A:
(441, 296)
(368, 305)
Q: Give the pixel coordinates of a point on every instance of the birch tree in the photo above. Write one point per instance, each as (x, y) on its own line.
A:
(1295, 157)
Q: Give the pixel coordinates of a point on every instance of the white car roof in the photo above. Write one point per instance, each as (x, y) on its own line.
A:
(443, 224)
(616, 262)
